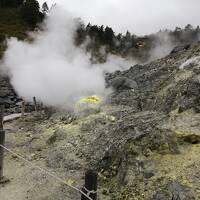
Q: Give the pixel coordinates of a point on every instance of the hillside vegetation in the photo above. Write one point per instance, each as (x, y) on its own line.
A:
(11, 25)
(141, 48)
(16, 18)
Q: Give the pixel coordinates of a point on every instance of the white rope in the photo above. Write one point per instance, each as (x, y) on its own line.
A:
(89, 191)
(46, 171)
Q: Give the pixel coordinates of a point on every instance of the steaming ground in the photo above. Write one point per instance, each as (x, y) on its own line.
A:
(52, 68)
(145, 145)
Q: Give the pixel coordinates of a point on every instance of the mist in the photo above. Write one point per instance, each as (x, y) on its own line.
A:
(163, 46)
(52, 68)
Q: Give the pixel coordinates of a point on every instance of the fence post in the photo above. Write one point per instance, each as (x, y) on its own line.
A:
(2, 141)
(35, 103)
(23, 108)
(90, 187)
(1, 116)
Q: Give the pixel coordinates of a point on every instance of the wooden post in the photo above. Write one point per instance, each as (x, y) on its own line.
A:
(90, 187)
(35, 103)
(1, 116)
(2, 141)
(23, 108)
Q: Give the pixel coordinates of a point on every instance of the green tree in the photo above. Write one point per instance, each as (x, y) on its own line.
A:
(45, 7)
(101, 34)
(109, 35)
(80, 32)
(128, 35)
(11, 3)
(189, 27)
(31, 12)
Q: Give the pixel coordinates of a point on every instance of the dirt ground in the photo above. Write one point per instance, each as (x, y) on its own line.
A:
(32, 140)
(56, 144)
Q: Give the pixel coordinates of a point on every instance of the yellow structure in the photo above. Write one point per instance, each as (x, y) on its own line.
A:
(90, 99)
(89, 103)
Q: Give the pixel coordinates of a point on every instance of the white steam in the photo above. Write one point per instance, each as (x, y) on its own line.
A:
(163, 46)
(52, 68)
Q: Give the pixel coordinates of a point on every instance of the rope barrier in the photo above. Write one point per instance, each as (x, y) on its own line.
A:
(89, 192)
(49, 173)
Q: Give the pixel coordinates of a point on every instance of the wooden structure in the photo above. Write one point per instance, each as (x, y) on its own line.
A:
(90, 187)
(2, 141)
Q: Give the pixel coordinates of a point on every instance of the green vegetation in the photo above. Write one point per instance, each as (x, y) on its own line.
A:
(11, 25)
(16, 18)
(130, 45)
(11, 3)
(30, 12)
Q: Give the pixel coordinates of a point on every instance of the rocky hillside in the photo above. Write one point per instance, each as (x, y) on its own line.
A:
(8, 96)
(157, 112)
(144, 142)
(163, 85)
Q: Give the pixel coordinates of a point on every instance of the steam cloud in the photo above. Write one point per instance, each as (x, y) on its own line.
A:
(163, 46)
(52, 68)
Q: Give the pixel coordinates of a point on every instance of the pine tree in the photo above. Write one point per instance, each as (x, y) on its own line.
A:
(45, 7)
(109, 35)
(31, 12)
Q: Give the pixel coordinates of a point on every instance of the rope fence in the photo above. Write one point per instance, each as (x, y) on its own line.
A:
(50, 174)
(88, 192)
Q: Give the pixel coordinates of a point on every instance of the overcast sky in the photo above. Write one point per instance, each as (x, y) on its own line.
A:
(138, 16)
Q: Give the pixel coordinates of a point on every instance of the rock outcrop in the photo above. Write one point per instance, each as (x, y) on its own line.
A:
(11, 101)
(163, 85)
(8, 97)
(158, 113)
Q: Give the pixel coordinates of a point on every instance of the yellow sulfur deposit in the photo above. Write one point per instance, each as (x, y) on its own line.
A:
(90, 99)
(90, 103)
